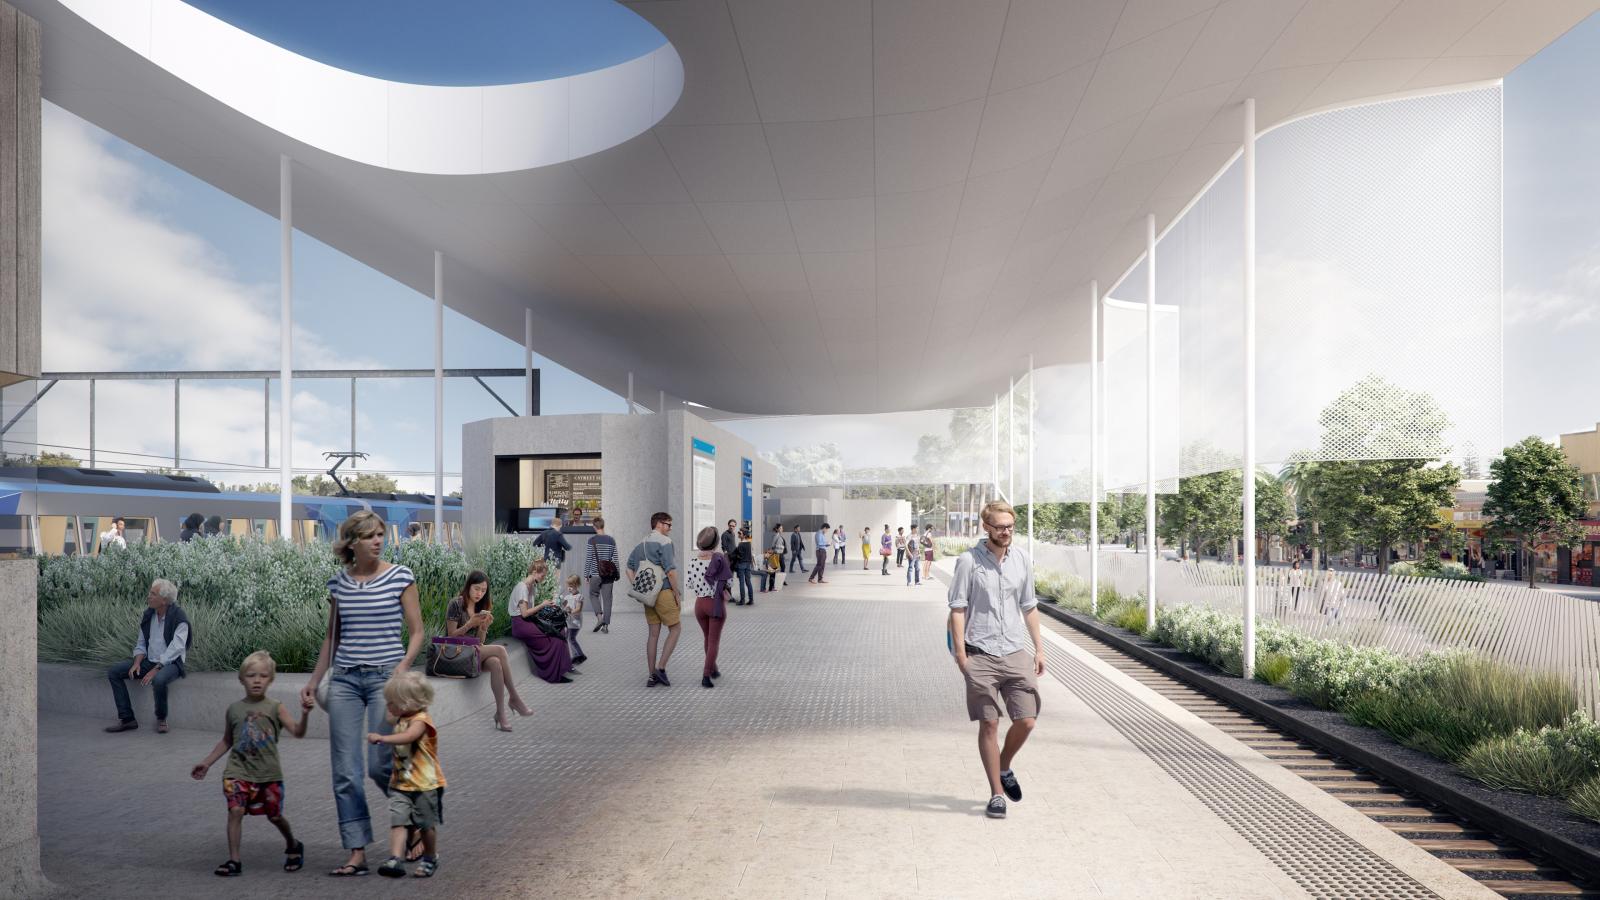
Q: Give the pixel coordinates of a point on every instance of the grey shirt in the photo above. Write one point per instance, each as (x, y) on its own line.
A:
(657, 549)
(995, 596)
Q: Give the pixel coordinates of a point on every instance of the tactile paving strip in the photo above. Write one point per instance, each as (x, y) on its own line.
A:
(1320, 858)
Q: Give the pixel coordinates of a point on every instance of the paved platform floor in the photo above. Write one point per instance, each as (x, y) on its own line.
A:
(834, 760)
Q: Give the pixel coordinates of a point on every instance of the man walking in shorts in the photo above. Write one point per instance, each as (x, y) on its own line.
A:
(994, 631)
(657, 548)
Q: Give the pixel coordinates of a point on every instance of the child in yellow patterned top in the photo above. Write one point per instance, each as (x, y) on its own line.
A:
(416, 788)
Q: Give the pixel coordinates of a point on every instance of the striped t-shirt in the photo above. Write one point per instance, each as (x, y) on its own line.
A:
(370, 617)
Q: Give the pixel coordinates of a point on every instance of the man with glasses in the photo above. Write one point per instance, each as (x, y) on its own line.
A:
(994, 633)
(657, 548)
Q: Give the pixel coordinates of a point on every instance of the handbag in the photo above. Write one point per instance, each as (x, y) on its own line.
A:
(552, 620)
(648, 582)
(454, 657)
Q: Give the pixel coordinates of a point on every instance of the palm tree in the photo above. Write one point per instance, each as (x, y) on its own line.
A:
(1299, 479)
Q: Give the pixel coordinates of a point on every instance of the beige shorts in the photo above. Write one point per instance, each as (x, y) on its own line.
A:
(665, 612)
(416, 809)
(996, 683)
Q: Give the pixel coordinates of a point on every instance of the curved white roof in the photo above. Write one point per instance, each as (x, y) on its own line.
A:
(855, 205)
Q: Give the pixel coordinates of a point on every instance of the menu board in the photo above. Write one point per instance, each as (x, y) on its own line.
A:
(564, 486)
(703, 489)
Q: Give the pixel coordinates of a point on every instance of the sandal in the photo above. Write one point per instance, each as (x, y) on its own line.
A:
(228, 869)
(426, 866)
(294, 858)
(414, 846)
(350, 870)
(393, 868)
(500, 724)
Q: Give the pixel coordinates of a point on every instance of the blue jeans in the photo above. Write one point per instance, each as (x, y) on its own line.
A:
(355, 707)
(913, 566)
(745, 590)
(119, 674)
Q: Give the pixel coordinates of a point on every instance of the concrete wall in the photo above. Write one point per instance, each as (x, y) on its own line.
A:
(19, 731)
(20, 126)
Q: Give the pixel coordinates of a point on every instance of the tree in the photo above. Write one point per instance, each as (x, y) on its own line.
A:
(1534, 492)
(817, 464)
(1380, 503)
(1272, 507)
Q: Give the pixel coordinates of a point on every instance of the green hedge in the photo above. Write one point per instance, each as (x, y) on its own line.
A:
(1507, 727)
(242, 596)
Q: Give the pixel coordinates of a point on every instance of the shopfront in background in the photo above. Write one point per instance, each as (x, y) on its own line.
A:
(1578, 563)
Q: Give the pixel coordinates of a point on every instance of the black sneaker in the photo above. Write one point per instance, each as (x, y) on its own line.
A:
(996, 808)
(661, 676)
(705, 681)
(651, 681)
(1008, 780)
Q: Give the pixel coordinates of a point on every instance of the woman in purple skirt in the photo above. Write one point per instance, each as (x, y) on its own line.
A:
(549, 656)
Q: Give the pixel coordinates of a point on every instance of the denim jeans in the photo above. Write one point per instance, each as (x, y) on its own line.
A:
(913, 567)
(118, 676)
(745, 590)
(356, 707)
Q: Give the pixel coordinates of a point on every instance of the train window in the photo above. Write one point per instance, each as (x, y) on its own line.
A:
(240, 528)
(16, 536)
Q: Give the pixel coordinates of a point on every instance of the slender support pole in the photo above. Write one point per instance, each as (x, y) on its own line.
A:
(352, 423)
(631, 410)
(1032, 392)
(177, 416)
(1150, 422)
(1094, 447)
(662, 405)
(994, 445)
(285, 345)
(1250, 387)
(91, 423)
(1011, 442)
(528, 387)
(266, 423)
(438, 397)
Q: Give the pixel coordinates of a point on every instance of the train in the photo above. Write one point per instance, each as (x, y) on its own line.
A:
(54, 510)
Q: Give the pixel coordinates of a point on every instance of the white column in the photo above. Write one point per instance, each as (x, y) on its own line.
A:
(527, 362)
(994, 447)
(661, 407)
(438, 397)
(1150, 422)
(285, 345)
(1250, 387)
(1094, 446)
(1011, 442)
(1032, 392)
(630, 395)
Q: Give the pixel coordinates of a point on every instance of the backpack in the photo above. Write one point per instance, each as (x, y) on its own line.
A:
(648, 581)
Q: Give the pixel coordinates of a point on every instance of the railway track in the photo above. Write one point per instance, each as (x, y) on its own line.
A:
(1504, 867)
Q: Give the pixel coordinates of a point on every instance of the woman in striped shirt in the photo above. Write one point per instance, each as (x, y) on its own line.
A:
(371, 600)
(602, 547)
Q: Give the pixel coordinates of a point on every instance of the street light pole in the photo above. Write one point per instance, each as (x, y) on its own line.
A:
(1250, 387)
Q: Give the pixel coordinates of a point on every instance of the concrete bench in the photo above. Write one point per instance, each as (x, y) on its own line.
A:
(199, 700)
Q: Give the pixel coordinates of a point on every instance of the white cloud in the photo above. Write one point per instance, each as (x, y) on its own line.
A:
(1567, 299)
(124, 289)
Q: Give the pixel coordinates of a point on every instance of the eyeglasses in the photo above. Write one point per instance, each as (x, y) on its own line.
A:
(1011, 527)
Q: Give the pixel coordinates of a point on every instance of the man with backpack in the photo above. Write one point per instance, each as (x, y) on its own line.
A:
(653, 581)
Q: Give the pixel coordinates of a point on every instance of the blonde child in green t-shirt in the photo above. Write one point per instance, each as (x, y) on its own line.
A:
(253, 778)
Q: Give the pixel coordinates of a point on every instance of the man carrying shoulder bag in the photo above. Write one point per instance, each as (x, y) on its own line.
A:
(653, 581)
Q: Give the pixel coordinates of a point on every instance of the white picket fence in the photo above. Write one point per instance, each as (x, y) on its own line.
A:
(1535, 629)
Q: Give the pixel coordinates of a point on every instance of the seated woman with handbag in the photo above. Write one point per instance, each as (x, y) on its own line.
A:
(541, 626)
(467, 633)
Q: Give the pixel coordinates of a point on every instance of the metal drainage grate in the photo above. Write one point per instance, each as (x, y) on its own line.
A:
(1320, 858)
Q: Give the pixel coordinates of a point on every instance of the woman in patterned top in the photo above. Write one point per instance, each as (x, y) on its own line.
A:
(371, 600)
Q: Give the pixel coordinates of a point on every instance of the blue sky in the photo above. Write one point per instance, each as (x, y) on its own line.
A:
(463, 42)
(145, 266)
